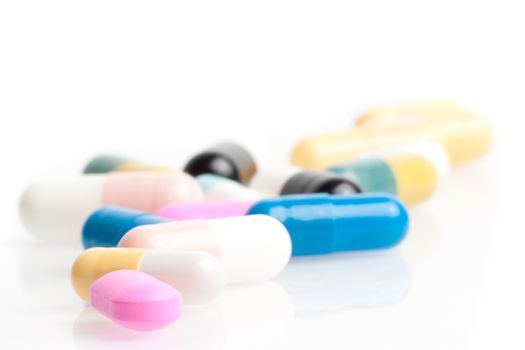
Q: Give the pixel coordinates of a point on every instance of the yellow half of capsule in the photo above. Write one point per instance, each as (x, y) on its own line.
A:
(417, 178)
(96, 262)
(137, 166)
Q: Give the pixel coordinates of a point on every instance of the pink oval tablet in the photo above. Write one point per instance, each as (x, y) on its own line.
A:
(136, 300)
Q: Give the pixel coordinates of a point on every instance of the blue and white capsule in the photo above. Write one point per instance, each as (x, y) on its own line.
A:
(316, 223)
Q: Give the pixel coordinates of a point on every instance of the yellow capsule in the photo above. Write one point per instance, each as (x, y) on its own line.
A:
(465, 137)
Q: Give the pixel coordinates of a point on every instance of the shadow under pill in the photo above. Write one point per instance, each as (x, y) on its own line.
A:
(424, 238)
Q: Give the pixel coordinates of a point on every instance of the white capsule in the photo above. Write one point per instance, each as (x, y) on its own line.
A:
(253, 247)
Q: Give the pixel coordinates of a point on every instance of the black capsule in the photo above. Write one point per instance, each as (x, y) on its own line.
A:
(226, 159)
(311, 181)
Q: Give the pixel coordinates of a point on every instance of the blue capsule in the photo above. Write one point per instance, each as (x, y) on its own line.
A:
(320, 224)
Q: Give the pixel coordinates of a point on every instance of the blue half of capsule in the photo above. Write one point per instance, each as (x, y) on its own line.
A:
(321, 223)
(106, 226)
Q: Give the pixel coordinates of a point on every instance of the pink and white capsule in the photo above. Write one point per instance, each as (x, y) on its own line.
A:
(253, 247)
(57, 208)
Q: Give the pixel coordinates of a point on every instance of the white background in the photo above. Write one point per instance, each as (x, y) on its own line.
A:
(163, 79)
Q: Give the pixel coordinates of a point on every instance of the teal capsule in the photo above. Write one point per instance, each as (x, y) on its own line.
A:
(108, 163)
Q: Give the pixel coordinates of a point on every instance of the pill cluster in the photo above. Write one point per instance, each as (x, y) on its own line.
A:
(157, 237)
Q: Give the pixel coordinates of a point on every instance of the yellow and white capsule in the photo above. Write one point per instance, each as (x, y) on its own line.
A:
(198, 276)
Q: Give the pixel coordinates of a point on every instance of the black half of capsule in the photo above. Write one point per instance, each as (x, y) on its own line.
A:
(310, 181)
(225, 159)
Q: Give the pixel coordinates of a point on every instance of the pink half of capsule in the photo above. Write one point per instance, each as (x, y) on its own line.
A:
(205, 210)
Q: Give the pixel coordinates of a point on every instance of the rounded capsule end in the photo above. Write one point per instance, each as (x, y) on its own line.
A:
(399, 224)
(197, 275)
(416, 177)
(96, 262)
(106, 226)
(225, 159)
(27, 209)
(306, 154)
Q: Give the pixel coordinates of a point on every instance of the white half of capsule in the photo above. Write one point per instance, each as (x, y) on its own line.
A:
(270, 180)
(433, 152)
(199, 277)
(251, 248)
(56, 209)
(254, 247)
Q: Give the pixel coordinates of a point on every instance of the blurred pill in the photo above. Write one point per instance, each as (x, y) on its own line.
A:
(57, 208)
(108, 163)
(226, 159)
(411, 177)
(465, 136)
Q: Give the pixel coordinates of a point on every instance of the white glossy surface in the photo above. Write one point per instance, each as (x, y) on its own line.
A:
(160, 80)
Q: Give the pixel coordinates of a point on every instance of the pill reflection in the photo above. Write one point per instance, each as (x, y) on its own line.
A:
(257, 313)
(323, 285)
